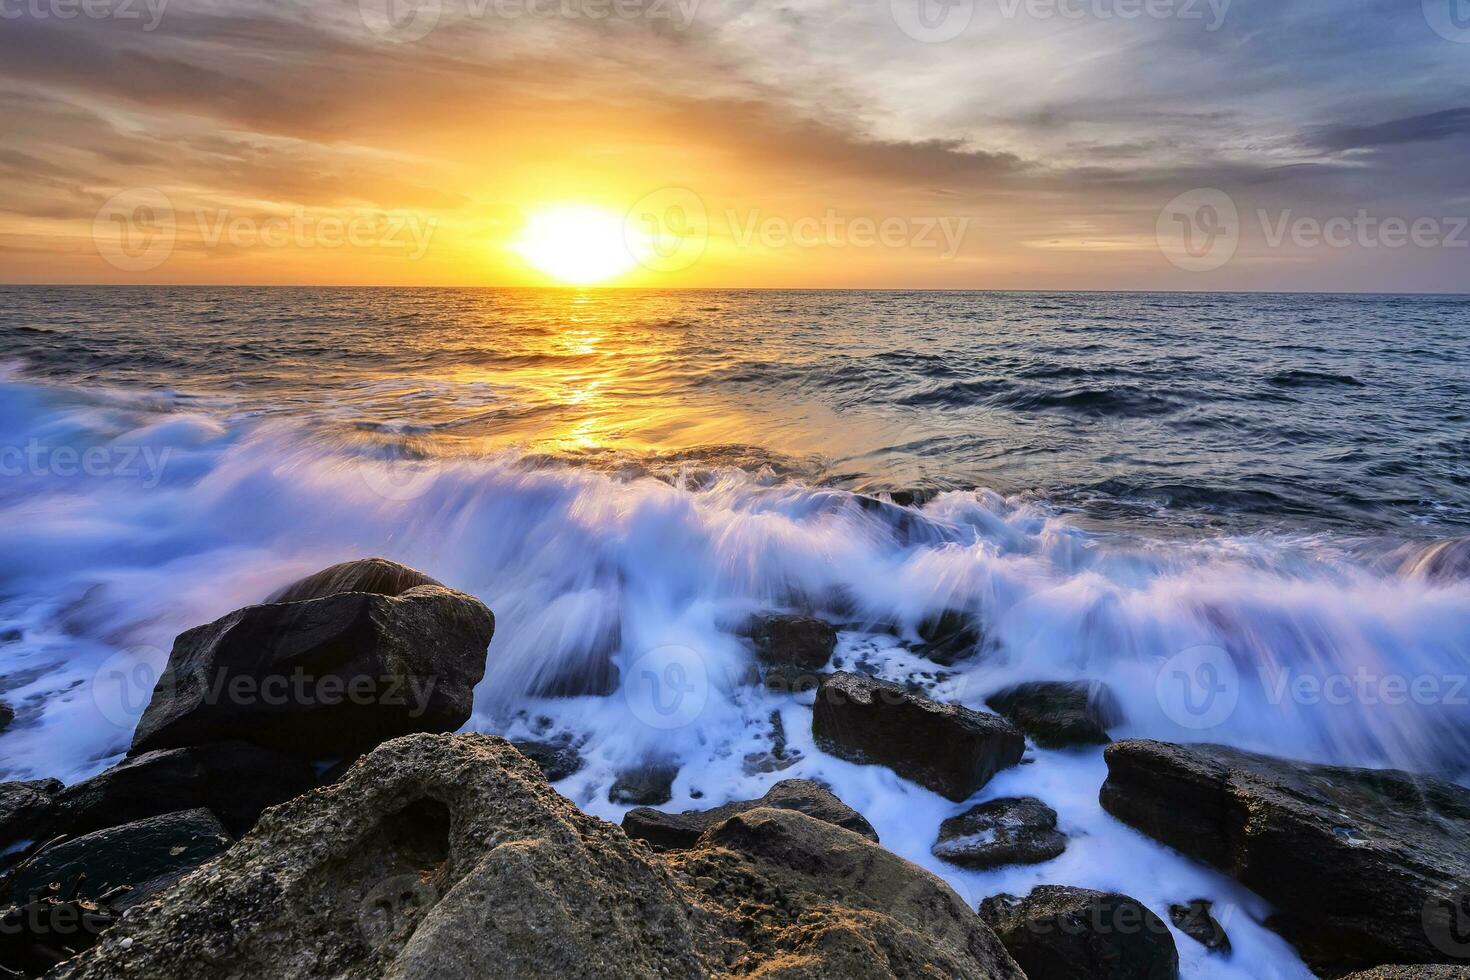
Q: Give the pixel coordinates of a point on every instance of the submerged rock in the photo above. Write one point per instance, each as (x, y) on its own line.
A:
(25, 808)
(1363, 866)
(947, 748)
(145, 855)
(451, 857)
(1196, 921)
(7, 715)
(651, 784)
(949, 636)
(1015, 830)
(233, 780)
(683, 830)
(1058, 714)
(800, 642)
(1061, 933)
(377, 576)
(324, 677)
(556, 760)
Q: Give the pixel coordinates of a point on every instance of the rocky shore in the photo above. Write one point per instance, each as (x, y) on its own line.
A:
(295, 805)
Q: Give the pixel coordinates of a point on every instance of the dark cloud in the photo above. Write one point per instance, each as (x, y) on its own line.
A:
(1414, 129)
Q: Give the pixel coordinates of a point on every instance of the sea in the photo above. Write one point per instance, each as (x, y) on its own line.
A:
(1246, 514)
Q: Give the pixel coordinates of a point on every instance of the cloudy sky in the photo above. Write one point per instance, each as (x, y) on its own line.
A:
(1081, 144)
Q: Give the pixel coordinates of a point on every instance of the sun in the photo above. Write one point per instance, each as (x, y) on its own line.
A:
(575, 244)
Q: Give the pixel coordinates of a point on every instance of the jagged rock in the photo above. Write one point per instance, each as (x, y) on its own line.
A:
(323, 677)
(556, 760)
(651, 784)
(949, 636)
(451, 857)
(1195, 920)
(1363, 866)
(1015, 830)
(233, 780)
(682, 830)
(145, 855)
(793, 641)
(378, 576)
(25, 808)
(1061, 933)
(947, 748)
(1058, 714)
(1437, 971)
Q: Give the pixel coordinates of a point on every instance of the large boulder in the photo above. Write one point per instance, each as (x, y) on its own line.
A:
(324, 677)
(1363, 866)
(451, 857)
(1060, 714)
(25, 808)
(233, 780)
(1061, 933)
(671, 831)
(1014, 830)
(377, 576)
(144, 856)
(947, 748)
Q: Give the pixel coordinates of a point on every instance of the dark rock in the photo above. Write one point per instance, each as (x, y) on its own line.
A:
(1015, 830)
(1061, 933)
(647, 785)
(1058, 714)
(145, 855)
(451, 857)
(7, 715)
(234, 780)
(786, 679)
(1195, 921)
(949, 636)
(793, 641)
(1363, 866)
(1437, 971)
(556, 760)
(681, 830)
(377, 576)
(25, 809)
(323, 677)
(12, 635)
(38, 935)
(947, 748)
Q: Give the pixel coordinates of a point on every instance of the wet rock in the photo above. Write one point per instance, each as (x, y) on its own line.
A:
(1440, 971)
(647, 785)
(947, 748)
(37, 935)
(377, 576)
(793, 641)
(557, 759)
(451, 857)
(1058, 714)
(682, 830)
(1363, 866)
(1015, 830)
(1440, 563)
(7, 715)
(146, 855)
(12, 635)
(1061, 933)
(233, 780)
(1195, 920)
(323, 677)
(949, 636)
(25, 809)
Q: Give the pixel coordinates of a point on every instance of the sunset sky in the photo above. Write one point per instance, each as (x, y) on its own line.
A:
(690, 143)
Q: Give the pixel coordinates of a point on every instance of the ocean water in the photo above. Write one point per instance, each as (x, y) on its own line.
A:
(1245, 513)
